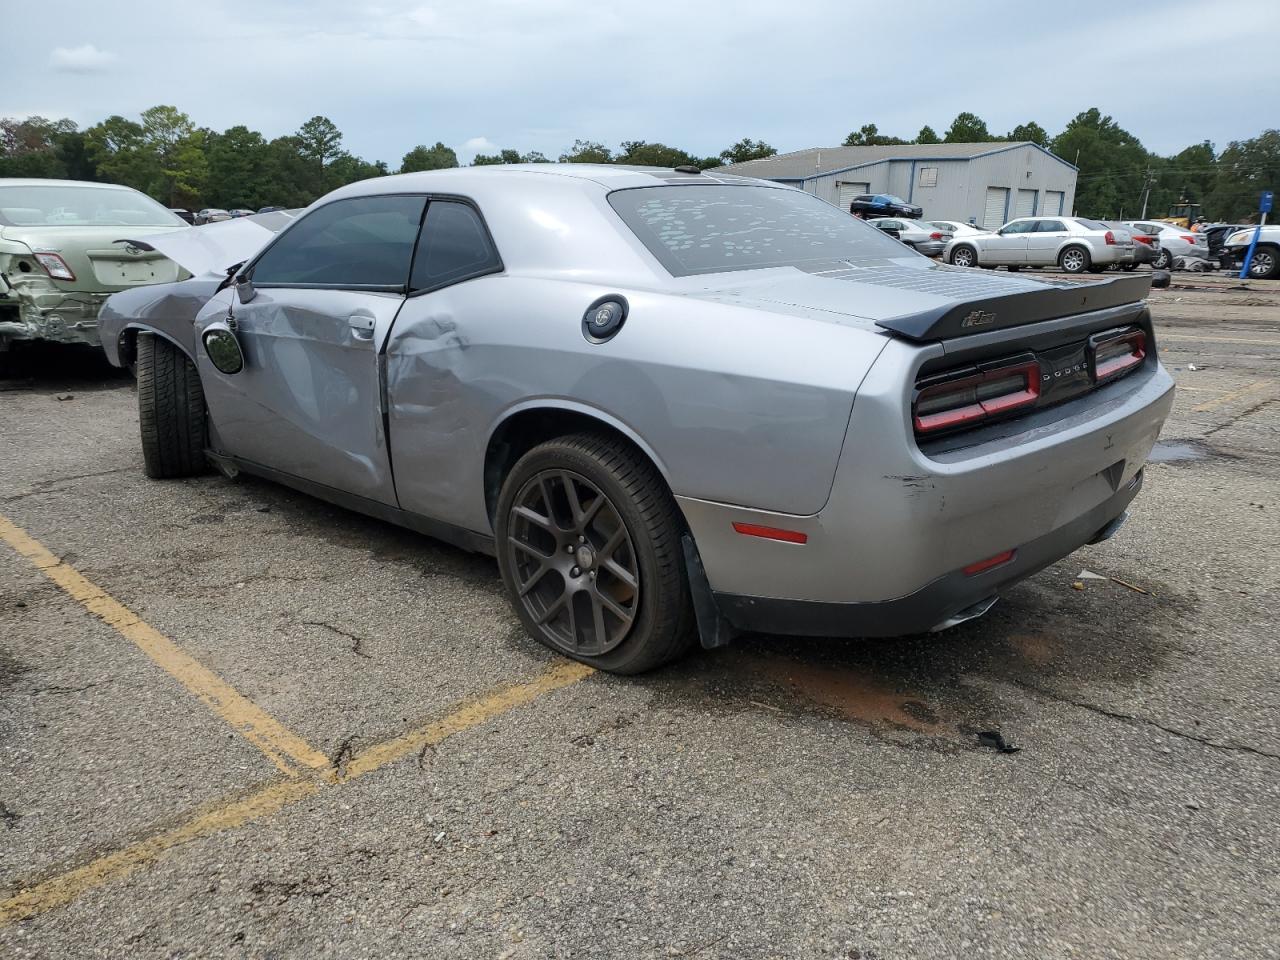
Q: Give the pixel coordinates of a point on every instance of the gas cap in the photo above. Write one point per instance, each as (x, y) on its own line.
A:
(604, 318)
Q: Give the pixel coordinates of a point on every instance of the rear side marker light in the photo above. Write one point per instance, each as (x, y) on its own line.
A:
(974, 397)
(770, 533)
(55, 266)
(1113, 354)
(982, 566)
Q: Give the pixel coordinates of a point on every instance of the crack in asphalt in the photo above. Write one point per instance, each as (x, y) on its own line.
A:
(1145, 721)
(47, 486)
(58, 688)
(342, 756)
(356, 642)
(1232, 421)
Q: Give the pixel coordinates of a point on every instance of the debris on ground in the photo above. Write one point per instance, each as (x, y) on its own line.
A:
(1077, 585)
(66, 396)
(1126, 583)
(996, 741)
(1090, 575)
(1192, 366)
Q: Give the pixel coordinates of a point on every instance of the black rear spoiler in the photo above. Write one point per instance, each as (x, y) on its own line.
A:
(1059, 298)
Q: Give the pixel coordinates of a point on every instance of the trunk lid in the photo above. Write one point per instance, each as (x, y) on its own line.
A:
(99, 261)
(924, 301)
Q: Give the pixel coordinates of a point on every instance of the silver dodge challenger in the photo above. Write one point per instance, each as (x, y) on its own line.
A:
(673, 405)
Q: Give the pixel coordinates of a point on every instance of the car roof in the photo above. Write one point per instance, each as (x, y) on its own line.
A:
(42, 182)
(597, 176)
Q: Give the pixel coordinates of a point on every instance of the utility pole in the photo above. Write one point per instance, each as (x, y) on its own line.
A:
(1146, 191)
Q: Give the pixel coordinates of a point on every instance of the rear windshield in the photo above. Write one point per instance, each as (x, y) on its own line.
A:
(1091, 224)
(61, 205)
(717, 228)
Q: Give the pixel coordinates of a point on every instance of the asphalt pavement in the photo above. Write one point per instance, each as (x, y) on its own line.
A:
(238, 722)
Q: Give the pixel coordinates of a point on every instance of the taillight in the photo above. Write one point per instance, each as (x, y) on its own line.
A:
(935, 236)
(55, 266)
(1113, 353)
(1188, 239)
(968, 397)
(1110, 238)
(1142, 238)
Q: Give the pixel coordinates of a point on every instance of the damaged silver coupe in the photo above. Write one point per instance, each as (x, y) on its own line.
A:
(61, 255)
(672, 404)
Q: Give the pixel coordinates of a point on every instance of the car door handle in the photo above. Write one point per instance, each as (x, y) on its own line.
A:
(361, 325)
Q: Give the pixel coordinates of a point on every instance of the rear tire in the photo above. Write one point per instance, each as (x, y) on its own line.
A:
(171, 410)
(589, 545)
(1075, 259)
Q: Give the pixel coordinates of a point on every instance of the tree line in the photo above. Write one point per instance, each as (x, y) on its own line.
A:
(164, 154)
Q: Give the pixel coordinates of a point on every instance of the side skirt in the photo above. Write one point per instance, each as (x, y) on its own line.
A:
(436, 529)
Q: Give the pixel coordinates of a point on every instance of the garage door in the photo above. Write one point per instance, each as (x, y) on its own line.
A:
(1052, 203)
(997, 204)
(850, 190)
(1026, 205)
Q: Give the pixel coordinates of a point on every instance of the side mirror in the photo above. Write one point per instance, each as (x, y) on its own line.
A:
(222, 347)
(244, 290)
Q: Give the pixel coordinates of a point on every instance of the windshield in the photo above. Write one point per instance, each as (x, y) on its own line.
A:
(716, 228)
(60, 205)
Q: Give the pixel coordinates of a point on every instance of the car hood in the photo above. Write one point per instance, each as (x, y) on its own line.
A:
(919, 299)
(210, 249)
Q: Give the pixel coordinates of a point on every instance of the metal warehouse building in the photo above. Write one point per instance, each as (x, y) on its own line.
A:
(986, 183)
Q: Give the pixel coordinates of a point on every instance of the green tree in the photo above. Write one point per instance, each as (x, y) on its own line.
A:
(291, 179)
(239, 169)
(121, 154)
(502, 156)
(321, 140)
(1029, 131)
(1113, 165)
(1244, 170)
(38, 147)
(534, 156)
(968, 128)
(347, 168)
(177, 149)
(421, 157)
(869, 136)
(747, 149)
(644, 154)
(927, 135)
(587, 151)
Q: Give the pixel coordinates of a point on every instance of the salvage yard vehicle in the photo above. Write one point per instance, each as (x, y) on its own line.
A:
(1175, 242)
(1073, 244)
(672, 404)
(1265, 264)
(1146, 246)
(956, 228)
(60, 257)
(922, 237)
(884, 205)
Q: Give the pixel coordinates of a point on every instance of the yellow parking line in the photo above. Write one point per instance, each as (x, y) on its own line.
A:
(1228, 397)
(279, 744)
(62, 889)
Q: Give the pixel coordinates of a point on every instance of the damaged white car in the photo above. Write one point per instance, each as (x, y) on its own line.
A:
(62, 254)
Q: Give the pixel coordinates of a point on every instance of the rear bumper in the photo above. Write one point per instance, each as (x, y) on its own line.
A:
(40, 311)
(951, 598)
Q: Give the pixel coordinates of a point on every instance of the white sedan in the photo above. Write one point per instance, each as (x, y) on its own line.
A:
(1175, 242)
(1073, 244)
(956, 228)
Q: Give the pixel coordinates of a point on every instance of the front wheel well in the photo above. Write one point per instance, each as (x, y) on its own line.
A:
(523, 431)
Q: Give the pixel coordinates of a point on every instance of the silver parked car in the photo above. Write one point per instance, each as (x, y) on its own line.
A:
(636, 388)
(1175, 242)
(1073, 244)
(922, 237)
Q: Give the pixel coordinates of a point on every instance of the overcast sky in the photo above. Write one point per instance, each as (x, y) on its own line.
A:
(536, 75)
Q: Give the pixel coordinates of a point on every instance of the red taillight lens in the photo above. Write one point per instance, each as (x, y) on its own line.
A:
(55, 266)
(1142, 238)
(967, 398)
(1113, 354)
(982, 566)
(1189, 239)
(1110, 238)
(935, 236)
(770, 533)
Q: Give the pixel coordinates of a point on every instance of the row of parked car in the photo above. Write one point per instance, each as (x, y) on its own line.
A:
(216, 214)
(1081, 244)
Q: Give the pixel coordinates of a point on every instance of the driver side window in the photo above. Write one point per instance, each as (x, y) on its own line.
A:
(1021, 226)
(357, 243)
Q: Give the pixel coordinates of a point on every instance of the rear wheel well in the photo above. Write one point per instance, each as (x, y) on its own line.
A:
(521, 432)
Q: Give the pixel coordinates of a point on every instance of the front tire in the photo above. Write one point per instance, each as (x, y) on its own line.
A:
(588, 542)
(1074, 260)
(964, 256)
(1163, 261)
(1265, 264)
(171, 410)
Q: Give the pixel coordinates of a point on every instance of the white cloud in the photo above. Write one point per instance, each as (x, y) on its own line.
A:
(82, 59)
(480, 145)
